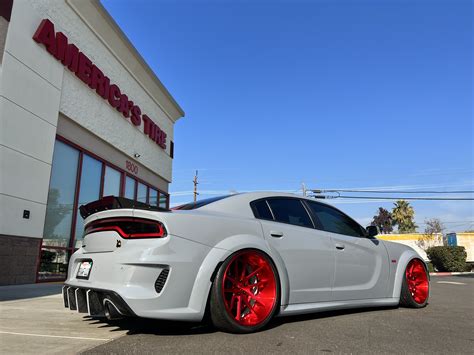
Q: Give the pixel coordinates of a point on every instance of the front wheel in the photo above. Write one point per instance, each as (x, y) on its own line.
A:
(415, 286)
(245, 292)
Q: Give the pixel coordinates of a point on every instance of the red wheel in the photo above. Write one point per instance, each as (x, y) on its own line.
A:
(245, 295)
(415, 288)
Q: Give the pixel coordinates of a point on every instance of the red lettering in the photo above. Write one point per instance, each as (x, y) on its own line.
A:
(157, 134)
(97, 81)
(152, 133)
(106, 88)
(114, 96)
(136, 115)
(162, 144)
(45, 35)
(61, 46)
(71, 58)
(124, 105)
(84, 68)
(146, 124)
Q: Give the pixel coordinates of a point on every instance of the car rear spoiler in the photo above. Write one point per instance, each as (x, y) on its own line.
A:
(114, 203)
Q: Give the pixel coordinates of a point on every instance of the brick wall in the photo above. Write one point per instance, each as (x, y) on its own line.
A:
(18, 258)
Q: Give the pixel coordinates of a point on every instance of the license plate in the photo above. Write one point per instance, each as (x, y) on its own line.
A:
(84, 270)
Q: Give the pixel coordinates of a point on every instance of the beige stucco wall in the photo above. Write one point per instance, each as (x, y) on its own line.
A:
(412, 240)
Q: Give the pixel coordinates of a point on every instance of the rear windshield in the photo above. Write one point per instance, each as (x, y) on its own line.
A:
(200, 203)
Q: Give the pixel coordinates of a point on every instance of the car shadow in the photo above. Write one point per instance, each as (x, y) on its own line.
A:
(135, 326)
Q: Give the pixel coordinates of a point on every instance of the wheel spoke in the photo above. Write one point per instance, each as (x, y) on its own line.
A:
(247, 275)
(417, 281)
(239, 308)
(253, 273)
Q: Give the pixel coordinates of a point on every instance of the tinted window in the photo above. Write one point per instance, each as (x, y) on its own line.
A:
(335, 221)
(62, 187)
(129, 188)
(200, 203)
(261, 210)
(153, 197)
(89, 190)
(141, 192)
(289, 210)
(111, 182)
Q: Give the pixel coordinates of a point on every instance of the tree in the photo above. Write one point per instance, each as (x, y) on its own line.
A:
(434, 226)
(403, 217)
(433, 234)
(383, 220)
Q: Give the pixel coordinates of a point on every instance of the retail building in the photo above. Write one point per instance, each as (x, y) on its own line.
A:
(82, 116)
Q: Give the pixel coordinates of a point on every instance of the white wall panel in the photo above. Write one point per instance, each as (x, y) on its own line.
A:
(25, 132)
(25, 21)
(23, 176)
(28, 90)
(12, 221)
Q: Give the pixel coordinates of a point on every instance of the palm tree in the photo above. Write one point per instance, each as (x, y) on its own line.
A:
(403, 215)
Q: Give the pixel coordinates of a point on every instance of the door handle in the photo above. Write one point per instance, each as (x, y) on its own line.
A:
(276, 234)
(340, 246)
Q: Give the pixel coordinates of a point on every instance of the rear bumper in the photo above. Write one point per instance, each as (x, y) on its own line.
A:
(160, 279)
(93, 301)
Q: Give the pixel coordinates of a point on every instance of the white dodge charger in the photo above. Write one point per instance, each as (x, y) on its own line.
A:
(242, 259)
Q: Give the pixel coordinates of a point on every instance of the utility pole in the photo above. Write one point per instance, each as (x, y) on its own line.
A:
(303, 188)
(195, 181)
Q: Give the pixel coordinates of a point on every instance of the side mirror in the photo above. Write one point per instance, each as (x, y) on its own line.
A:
(372, 231)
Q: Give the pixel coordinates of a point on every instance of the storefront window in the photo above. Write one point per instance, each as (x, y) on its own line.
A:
(129, 188)
(111, 182)
(61, 238)
(163, 201)
(57, 228)
(53, 264)
(153, 197)
(89, 191)
(141, 192)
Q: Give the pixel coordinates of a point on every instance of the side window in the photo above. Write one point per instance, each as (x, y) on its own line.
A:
(290, 210)
(261, 210)
(334, 221)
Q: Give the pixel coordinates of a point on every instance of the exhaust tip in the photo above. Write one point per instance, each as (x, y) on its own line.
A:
(111, 311)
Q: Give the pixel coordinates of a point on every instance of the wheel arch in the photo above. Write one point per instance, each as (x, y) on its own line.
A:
(403, 261)
(217, 255)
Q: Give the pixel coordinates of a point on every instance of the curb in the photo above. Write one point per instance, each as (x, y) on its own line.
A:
(450, 273)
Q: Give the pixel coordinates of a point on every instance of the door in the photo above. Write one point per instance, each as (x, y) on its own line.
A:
(361, 264)
(308, 254)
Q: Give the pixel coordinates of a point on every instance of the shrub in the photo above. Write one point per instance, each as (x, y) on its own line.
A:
(430, 267)
(446, 258)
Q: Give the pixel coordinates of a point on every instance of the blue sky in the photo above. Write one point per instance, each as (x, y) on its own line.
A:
(336, 94)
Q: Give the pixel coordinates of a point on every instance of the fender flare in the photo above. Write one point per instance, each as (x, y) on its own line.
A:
(218, 254)
(404, 259)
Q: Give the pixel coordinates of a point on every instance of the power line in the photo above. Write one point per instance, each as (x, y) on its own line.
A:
(395, 191)
(400, 198)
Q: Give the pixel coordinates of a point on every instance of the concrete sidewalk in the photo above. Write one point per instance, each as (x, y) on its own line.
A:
(33, 320)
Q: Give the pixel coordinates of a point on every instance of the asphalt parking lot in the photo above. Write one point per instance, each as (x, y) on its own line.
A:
(445, 326)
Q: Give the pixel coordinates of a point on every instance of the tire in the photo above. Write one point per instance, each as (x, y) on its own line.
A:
(415, 285)
(245, 294)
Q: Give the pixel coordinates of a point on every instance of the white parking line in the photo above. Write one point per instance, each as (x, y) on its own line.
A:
(450, 282)
(53, 336)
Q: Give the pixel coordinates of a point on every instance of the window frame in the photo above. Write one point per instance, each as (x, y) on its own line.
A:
(266, 199)
(320, 225)
(70, 246)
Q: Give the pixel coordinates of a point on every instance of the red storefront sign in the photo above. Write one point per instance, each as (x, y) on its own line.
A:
(70, 56)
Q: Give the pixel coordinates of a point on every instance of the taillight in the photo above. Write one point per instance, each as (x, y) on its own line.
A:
(128, 228)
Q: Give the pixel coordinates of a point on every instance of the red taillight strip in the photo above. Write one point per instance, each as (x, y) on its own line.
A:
(95, 226)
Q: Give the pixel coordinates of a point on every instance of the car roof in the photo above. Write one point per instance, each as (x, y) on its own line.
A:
(238, 204)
